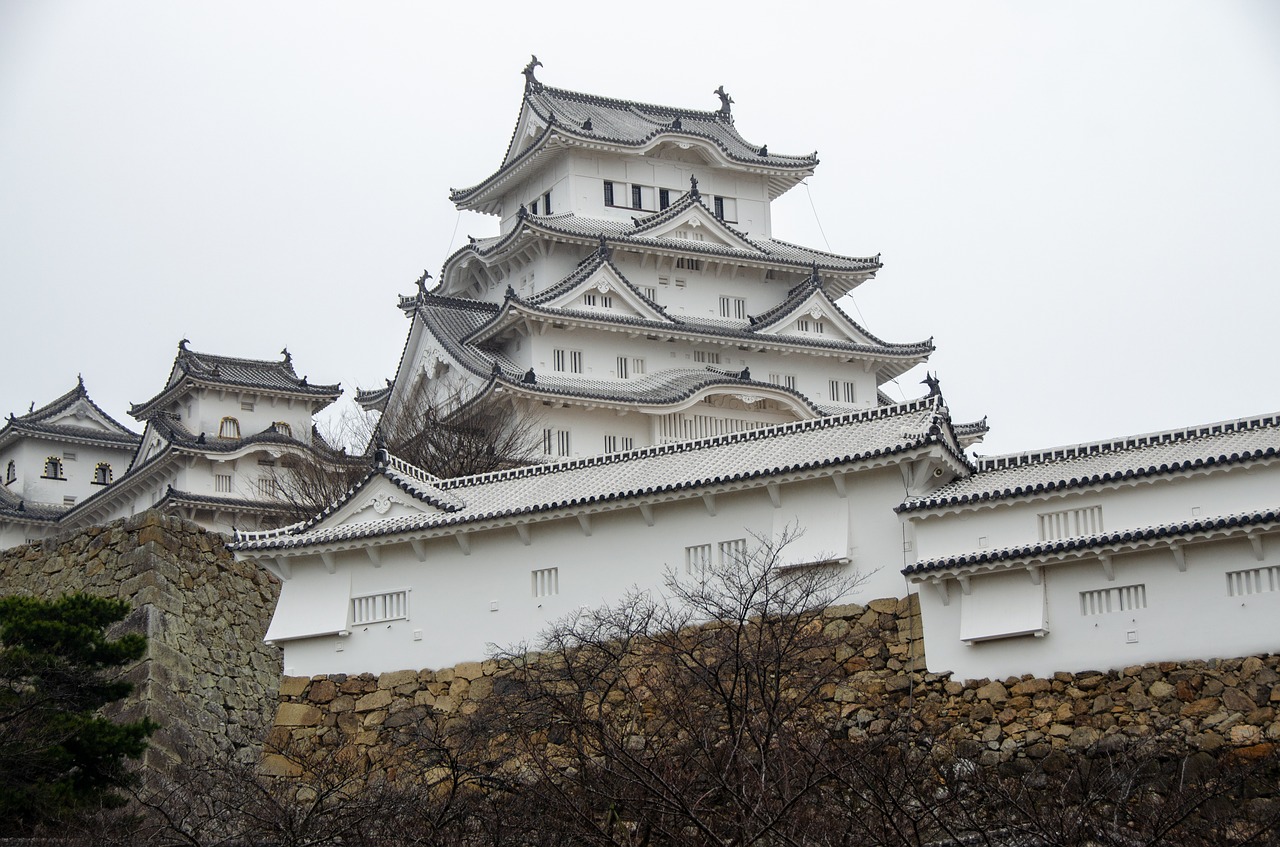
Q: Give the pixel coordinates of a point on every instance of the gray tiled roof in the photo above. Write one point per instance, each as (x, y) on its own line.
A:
(755, 454)
(765, 251)
(1099, 463)
(231, 372)
(36, 422)
(452, 320)
(594, 120)
(1121, 539)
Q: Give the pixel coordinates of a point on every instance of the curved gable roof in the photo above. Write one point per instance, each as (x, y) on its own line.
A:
(554, 117)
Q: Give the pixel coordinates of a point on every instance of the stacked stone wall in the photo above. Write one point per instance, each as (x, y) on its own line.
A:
(207, 677)
(1204, 705)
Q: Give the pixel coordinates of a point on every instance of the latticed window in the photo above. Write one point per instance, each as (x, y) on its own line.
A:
(283, 428)
(697, 559)
(229, 428)
(545, 582)
(102, 474)
(376, 608)
(53, 468)
(733, 552)
(1104, 601)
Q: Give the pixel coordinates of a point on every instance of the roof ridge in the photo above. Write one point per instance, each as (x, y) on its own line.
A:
(822, 422)
(1129, 442)
(1062, 545)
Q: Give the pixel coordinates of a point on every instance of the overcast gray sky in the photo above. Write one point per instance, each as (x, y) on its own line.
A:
(1079, 201)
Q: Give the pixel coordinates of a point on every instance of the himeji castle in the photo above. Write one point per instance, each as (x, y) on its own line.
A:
(635, 294)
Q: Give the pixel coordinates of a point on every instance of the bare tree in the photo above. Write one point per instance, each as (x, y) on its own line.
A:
(443, 433)
(691, 718)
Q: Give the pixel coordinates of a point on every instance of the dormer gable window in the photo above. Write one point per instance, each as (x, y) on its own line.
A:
(102, 474)
(53, 468)
(11, 472)
(282, 428)
(603, 301)
(229, 428)
(811, 325)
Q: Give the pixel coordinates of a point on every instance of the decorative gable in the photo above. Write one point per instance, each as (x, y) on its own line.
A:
(698, 226)
(379, 499)
(814, 318)
(606, 290)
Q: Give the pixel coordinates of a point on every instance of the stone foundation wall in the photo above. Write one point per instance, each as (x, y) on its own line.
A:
(207, 678)
(1204, 705)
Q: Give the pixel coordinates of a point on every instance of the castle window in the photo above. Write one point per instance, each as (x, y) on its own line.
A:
(376, 608)
(246, 405)
(604, 301)
(843, 391)
(69, 500)
(706, 357)
(533, 207)
(689, 264)
(102, 474)
(650, 292)
(267, 486)
(733, 307)
(629, 367)
(733, 552)
(608, 193)
(68, 455)
(814, 326)
(222, 483)
(697, 559)
(616, 443)
(726, 209)
(555, 442)
(1107, 600)
(1262, 580)
(53, 468)
(566, 361)
(664, 198)
(785, 380)
(545, 582)
(11, 473)
(637, 201)
(546, 203)
(1069, 523)
(229, 428)
(283, 428)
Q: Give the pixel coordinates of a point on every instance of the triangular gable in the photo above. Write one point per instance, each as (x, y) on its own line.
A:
(530, 128)
(82, 414)
(815, 317)
(378, 499)
(606, 290)
(695, 224)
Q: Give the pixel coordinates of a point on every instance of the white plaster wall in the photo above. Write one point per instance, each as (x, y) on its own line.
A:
(29, 455)
(202, 411)
(1188, 615)
(1148, 503)
(452, 593)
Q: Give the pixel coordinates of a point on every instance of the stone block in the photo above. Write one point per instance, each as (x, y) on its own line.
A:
(322, 691)
(273, 764)
(994, 692)
(298, 714)
(393, 679)
(1237, 700)
(376, 700)
(468, 670)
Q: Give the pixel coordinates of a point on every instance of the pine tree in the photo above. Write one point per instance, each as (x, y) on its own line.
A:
(57, 669)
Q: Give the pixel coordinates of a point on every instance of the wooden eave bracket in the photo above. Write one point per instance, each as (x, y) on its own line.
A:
(841, 491)
(775, 494)
(1034, 571)
(1256, 540)
(464, 542)
(374, 554)
(1179, 557)
(522, 529)
(646, 512)
(940, 586)
(584, 521)
(709, 500)
(1108, 566)
(282, 566)
(330, 564)
(419, 549)
(965, 587)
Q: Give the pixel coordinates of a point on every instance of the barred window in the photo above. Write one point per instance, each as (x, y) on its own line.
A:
(376, 608)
